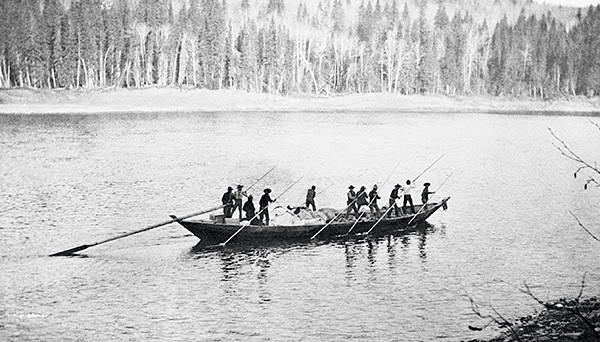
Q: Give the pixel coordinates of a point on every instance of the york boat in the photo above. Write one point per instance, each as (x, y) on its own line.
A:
(215, 231)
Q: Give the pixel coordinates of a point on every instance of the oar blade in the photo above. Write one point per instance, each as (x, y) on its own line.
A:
(71, 251)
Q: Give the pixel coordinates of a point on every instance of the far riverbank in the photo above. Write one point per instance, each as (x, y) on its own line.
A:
(170, 99)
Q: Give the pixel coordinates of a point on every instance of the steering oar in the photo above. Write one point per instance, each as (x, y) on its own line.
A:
(82, 247)
(173, 219)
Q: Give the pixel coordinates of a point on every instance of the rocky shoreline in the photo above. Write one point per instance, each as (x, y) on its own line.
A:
(562, 320)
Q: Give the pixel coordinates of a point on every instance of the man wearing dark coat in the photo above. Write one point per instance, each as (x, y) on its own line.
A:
(361, 198)
(264, 202)
(373, 197)
(425, 194)
(351, 201)
(250, 210)
(227, 200)
(393, 197)
(310, 198)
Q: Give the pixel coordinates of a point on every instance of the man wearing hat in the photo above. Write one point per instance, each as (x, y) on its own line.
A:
(393, 197)
(238, 197)
(264, 202)
(361, 198)
(351, 202)
(250, 211)
(425, 194)
(373, 197)
(227, 201)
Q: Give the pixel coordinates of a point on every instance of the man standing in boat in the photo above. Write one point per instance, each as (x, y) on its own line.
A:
(238, 197)
(351, 202)
(373, 197)
(425, 194)
(393, 197)
(227, 201)
(310, 198)
(264, 202)
(408, 188)
(361, 198)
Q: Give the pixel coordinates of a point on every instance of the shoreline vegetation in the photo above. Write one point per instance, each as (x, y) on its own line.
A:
(179, 99)
(562, 320)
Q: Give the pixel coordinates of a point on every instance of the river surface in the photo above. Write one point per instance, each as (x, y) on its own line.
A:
(69, 180)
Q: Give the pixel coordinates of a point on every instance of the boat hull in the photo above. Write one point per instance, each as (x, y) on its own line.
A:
(211, 233)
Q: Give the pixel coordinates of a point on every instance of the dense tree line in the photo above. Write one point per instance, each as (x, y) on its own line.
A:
(382, 48)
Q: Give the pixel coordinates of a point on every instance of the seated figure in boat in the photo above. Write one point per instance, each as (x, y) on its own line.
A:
(250, 211)
(297, 216)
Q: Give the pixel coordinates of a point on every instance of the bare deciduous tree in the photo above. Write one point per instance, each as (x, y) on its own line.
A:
(584, 165)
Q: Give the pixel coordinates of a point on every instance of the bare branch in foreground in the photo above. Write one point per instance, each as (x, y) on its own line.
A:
(498, 319)
(566, 151)
(595, 124)
(573, 308)
(584, 228)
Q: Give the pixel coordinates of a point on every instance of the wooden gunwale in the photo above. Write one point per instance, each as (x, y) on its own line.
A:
(214, 233)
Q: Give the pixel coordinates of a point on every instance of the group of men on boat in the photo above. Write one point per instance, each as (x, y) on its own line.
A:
(233, 200)
(355, 200)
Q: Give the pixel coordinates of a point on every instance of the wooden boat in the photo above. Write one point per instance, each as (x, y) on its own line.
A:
(212, 232)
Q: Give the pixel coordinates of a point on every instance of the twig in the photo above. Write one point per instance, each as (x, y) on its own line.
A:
(584, 228)
(573, 308)
(566, 151)
(594, 123)
(501, 322)
(528, 292)
(582, 287)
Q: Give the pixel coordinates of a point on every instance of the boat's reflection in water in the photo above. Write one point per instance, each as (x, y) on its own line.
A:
(238, 259)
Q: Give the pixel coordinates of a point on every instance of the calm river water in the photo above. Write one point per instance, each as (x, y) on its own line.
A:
(68, 180)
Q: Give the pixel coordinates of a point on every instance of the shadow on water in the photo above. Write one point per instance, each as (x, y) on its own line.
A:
(237, 258)
(201, 250)
(358, 249)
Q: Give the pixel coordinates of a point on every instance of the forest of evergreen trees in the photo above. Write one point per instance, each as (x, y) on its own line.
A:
(383, 47)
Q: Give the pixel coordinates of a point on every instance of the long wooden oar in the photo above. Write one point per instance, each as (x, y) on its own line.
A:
(263, 176)
(429, 167)
(356, 222)
(372, 200)
(382, 216)
(414, 180)
(333, 220)
(82, 247)
(349, 205)
(173, 219)
(363, 213)
(425, 204)
(244, 225)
